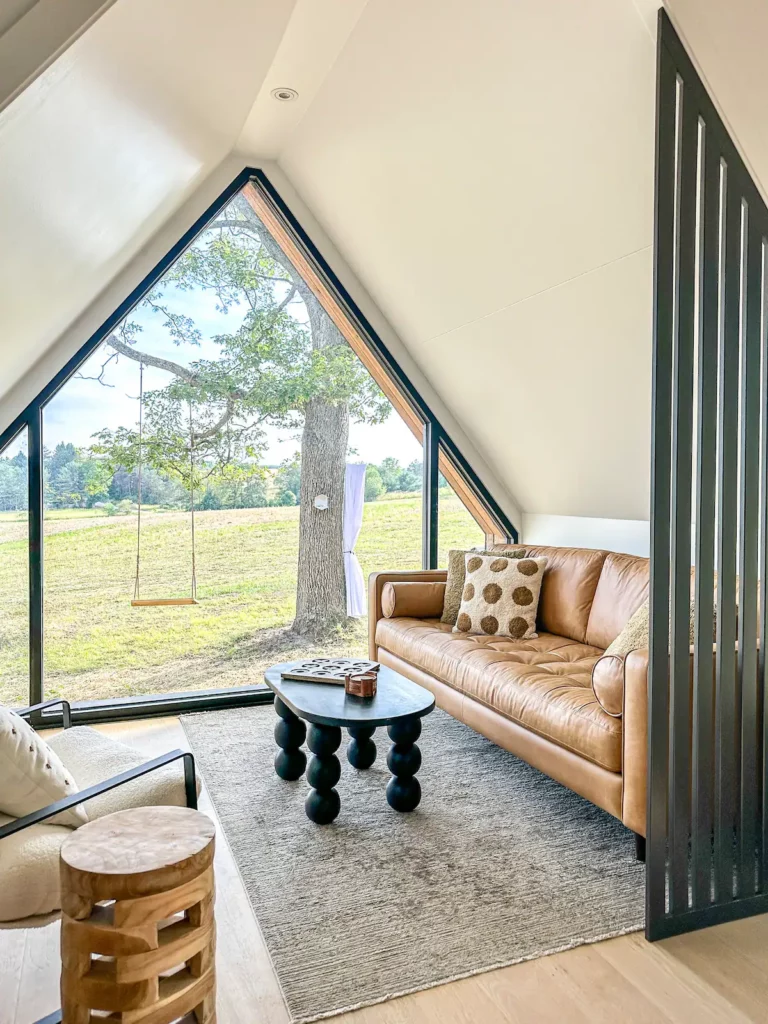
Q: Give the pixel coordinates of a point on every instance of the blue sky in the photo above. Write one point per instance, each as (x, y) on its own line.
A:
(84, 406)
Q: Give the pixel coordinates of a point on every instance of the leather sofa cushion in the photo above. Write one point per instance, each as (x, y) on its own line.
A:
(622, 588)
(544, 684)
(568, 589)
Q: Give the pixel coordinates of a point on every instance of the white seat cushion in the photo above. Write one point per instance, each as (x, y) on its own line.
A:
(31, 774)
(29, 860)
(92, 757)
(29, 870)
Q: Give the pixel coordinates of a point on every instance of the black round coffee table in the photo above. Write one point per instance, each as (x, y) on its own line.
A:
(399, 704)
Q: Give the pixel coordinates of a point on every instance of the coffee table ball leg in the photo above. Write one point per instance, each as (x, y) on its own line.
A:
(323, 802)
(404, 760)
(290, 732)
(361, 750)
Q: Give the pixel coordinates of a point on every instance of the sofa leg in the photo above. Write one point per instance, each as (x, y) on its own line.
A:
(640, 848)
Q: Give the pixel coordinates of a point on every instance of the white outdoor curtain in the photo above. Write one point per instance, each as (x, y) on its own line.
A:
(354, 497)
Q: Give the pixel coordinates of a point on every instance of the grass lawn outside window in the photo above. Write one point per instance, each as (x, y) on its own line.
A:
(99, 647)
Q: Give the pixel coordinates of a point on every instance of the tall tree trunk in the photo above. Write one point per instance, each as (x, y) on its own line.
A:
(321, 598)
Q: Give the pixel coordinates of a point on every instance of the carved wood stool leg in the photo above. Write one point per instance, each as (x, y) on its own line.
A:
(158, 936)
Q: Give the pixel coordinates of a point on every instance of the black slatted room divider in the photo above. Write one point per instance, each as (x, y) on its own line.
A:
(708, 755)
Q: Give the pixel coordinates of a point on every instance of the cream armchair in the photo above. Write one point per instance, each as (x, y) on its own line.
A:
(110, 776)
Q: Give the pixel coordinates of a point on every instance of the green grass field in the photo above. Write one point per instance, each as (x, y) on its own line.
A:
(97, 646)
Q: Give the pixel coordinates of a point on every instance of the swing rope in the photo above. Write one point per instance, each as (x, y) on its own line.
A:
(136, 585)
(137, 599)
(192, 500)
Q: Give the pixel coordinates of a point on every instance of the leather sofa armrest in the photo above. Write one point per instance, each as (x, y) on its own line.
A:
(635, 740)
(412, 600)
(608, 683)
(376, 582)
(620, 686)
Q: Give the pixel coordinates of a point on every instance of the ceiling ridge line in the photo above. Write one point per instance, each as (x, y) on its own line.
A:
(534, 295)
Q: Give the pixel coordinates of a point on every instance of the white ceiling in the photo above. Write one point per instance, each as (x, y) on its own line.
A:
(485, 169)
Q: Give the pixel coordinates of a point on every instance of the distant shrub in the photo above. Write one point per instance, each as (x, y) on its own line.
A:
(374, 485)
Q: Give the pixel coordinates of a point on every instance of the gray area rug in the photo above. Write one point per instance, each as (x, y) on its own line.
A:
(498, 864)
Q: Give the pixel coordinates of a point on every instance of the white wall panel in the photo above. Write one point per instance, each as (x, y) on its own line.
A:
(555, 391)
(630, 536)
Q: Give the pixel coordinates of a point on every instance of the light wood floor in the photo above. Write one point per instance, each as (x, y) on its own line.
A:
(716, 975)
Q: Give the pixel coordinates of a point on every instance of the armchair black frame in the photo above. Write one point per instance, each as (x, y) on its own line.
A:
(36, 817)
(190, 789)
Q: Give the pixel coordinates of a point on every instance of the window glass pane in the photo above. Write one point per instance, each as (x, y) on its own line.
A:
(392, 528)
(250, 411)
(14, 574)
(456, 527)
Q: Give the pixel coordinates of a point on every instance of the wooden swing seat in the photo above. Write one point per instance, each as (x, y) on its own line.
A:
(151, 602)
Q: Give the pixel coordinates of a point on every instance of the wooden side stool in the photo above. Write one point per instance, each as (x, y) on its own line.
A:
(138, 936)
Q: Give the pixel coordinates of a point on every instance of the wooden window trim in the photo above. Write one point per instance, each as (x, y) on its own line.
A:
(306, 267)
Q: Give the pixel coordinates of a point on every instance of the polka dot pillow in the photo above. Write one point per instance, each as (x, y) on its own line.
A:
(500, 596)
(31, 774)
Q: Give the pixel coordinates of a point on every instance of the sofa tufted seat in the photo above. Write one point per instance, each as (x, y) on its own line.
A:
(544, 685)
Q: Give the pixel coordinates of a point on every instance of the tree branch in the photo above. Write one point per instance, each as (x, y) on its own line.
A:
(100, 378)
(323, 330)
(226, 416)
(182, 372)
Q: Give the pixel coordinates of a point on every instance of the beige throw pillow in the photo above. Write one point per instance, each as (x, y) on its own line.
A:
(454, 584)
(501, 596)
(31, 774)
(637, 632)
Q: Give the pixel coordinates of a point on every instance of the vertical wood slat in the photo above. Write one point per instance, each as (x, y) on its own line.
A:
(702, 744)
(680, 500)
(728, 397)
(748, 552)
(658, 690)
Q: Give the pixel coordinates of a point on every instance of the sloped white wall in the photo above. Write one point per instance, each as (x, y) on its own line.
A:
(33, 33)
(486, 171)
(112, 138)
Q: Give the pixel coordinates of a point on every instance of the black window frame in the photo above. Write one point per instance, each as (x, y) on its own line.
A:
(435, 438)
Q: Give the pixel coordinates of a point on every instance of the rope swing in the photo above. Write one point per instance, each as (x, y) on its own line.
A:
(138, 601)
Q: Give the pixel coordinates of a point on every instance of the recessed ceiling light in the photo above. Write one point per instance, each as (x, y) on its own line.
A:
(285, 95)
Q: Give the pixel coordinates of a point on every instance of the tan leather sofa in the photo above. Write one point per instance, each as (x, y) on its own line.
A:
(554, 701)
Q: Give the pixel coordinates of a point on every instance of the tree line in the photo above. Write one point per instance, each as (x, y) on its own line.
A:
(76, 478)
